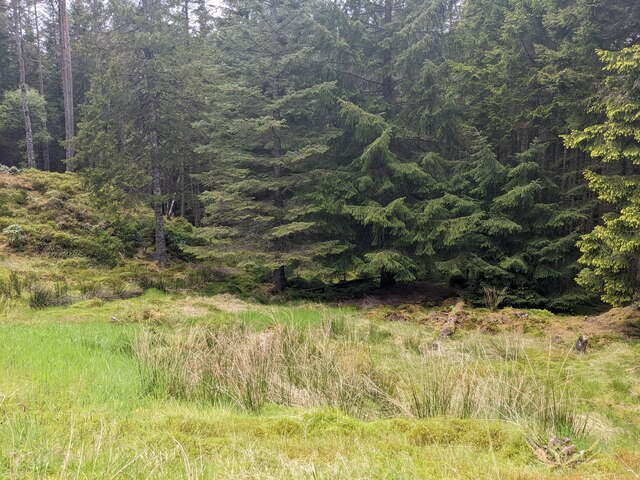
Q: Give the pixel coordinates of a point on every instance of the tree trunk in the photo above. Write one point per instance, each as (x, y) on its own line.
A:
(160, 254)
(182, 188)
(31, 157)
(151, 129)
(67, 79)
(182, 174)
(279, 280)
(156, 189)
(46, 162)
(635, 297)
(387, 279)
(387, 79)
(185, 11)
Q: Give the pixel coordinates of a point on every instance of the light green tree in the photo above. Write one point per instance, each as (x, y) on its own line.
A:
(611, 252)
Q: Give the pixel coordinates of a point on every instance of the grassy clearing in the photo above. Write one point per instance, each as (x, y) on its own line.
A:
(197, 387)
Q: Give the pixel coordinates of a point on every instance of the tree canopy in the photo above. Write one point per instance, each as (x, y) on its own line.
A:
(484, 143)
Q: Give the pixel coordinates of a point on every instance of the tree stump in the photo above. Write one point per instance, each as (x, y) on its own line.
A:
(582, 343)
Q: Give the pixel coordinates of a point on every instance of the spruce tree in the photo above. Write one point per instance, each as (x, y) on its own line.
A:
(268, 131)
(611, 252)
(376, 196)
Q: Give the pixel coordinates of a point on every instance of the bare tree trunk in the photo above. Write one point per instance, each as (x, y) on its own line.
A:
(182, 189)
(387, 80)
(31, 157)
(160, 253)
(181, 181)
(46, 162)
(185, 11)
(160, 242)
(279, 280)
(67, 79)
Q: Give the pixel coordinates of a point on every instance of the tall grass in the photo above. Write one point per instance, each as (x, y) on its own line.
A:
(516, 391)
(43, 296)
(331, 365)
(282, 365)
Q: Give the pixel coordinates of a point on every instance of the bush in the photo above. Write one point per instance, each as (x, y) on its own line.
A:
(4, 170)
(15, 235)
(494, 297)
(133, 232)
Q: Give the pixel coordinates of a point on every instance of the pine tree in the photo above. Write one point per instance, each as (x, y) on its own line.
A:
(381, 191)
(611, 252)
(67, 80)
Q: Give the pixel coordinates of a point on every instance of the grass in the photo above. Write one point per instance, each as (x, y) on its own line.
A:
(78, 399)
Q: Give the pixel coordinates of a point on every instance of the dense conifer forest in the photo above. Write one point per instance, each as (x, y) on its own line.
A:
(491, 144)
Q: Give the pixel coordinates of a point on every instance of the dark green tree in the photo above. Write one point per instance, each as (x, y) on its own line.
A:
(268, 130)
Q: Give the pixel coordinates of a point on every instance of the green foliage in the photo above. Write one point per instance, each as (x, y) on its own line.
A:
(15, 235)
(180, 236)
(494, 297)
(268, 128)
(12, 120)
(611, 252)
(406, 140)
(8, 170)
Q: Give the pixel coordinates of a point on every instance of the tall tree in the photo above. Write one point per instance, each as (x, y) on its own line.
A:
(17, 25)
(67, 79)
(46, 162)
(611, 252)
(268, 130)
(137, 121)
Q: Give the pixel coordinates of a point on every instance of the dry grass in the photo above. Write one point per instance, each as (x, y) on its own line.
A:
(281, 365)
(333, 365)
(225, 302)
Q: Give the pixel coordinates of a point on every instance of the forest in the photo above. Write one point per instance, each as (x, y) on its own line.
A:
(492, 144)
(237, 235)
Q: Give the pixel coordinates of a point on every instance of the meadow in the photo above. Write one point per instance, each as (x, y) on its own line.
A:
(168, 385)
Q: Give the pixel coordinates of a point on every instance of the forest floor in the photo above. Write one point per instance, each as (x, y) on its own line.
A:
(186, 386)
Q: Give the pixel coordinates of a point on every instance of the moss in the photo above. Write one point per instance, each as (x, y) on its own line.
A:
(287, 427)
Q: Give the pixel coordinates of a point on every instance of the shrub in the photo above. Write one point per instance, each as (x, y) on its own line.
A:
(4, 170)
(181, 234)
(15, 235)
(494, 297)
